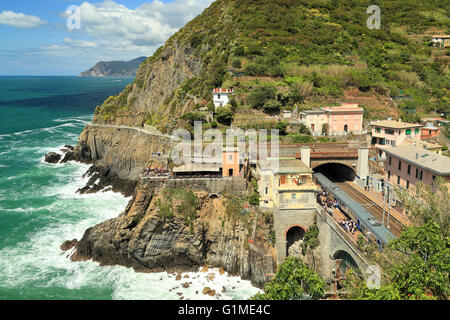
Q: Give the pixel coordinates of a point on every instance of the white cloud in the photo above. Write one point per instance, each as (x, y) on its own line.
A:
(20, 20)
(116, 27)
(79, 43)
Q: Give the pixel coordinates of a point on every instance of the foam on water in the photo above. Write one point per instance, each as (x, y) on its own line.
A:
(48, 211)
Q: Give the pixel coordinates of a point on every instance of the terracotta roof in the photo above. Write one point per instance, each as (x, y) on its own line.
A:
(220, 90)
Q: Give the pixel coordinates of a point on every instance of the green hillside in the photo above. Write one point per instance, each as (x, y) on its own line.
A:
(307, 53)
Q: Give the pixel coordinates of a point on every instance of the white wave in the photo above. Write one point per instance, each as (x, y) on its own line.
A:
(38, 261)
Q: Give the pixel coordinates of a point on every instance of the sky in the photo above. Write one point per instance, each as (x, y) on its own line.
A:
(42, 37)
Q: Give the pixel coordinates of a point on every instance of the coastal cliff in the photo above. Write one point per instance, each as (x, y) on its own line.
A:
(179, 230)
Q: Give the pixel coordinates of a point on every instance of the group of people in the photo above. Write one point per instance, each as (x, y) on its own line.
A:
(350, 226)
(368, 187)
(155, 172)
(330, 203)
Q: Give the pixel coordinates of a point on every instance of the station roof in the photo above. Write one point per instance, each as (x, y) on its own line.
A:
(285, 165)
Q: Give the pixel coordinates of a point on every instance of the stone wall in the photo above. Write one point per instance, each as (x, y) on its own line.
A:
(284, 220)
(211, 185)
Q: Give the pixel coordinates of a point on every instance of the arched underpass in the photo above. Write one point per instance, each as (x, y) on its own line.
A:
(337, 172)
(347, 263)
(294, 234)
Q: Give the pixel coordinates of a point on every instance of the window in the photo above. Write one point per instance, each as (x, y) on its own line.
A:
(218, 97)
(399, 165)
(293, 196)
(389, 175)
(421, 175)
(390, 160)
(417, 173)
(267, 190)
(230, 157)
(389, 131)
(398, 180)
(408, 132)
(417, 131)
(432, 181)
(409, 169)
(407, 184)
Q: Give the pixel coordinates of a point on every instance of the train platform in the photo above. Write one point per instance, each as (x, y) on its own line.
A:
(339, 217)
(377, 198)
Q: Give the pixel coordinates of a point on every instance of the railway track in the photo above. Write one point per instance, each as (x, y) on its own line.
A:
(395, 226)
(373, 208)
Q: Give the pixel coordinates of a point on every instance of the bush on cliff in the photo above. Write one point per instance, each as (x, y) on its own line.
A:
(293, 281)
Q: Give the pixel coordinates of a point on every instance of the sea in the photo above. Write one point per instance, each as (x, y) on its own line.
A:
(40, 209)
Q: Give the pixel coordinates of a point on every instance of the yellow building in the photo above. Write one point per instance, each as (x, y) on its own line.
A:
(286, 185)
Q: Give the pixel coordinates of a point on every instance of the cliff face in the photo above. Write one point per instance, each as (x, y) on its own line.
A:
(114, 68)
(146, 238)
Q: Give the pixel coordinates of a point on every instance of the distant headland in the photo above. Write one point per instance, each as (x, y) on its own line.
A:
(114, 68)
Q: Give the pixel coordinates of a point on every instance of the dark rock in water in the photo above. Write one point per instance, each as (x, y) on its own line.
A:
(69, 156)
(64, 150)
(52, 157)
(69, 244)
(71, 148)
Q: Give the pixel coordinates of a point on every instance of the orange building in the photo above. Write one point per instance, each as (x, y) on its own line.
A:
(430, 131)
(231, 166)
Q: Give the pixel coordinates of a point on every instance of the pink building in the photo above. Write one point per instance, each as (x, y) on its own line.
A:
(345, 119)
(392, 133)
(408, 165)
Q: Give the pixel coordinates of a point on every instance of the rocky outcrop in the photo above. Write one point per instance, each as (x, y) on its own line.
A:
(52, 157)
(143, 239)
(69, 244)
(118, 157)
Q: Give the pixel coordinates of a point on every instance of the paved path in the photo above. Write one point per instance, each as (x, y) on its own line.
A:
(138, 129)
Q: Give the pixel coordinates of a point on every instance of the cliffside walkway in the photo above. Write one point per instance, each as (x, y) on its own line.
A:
(138, 129)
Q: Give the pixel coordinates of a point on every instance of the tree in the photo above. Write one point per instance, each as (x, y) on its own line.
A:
(293, 281)
(417, 264)
(224, 115)
(282, 127)
(258, 97)
(236, 63)
(272, 107)
(303, 129)
(325, 129)
(191, 117)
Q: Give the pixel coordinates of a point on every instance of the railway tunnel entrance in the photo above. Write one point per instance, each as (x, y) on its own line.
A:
(336, 172)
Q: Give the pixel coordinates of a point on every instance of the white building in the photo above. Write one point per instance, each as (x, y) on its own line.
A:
(222, 96)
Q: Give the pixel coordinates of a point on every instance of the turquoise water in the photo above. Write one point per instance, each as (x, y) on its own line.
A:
(39, 208)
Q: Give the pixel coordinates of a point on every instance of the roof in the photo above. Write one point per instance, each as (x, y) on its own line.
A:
(395, 124)
(285, 166)
(221, 90)
(441, 36)
(344, 107)
(423, 158)
(429, 126)
(312, 111)
(197, 167)
(420, 143)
